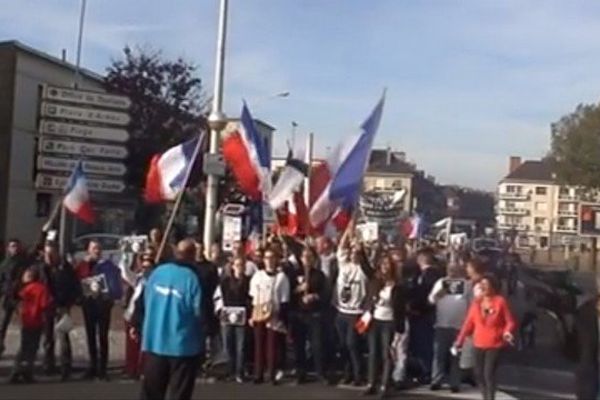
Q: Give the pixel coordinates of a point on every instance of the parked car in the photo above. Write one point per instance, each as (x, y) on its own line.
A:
(111, 245)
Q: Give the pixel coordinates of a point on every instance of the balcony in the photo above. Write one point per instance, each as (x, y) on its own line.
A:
(514, 196)
(566, 229)
(513, 211)
(508, 227)
(568, 197)
(567, 213)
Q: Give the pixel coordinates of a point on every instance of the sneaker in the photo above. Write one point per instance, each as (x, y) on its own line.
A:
(239, 379)
(455, 389)
(370, 391)
(279, 376)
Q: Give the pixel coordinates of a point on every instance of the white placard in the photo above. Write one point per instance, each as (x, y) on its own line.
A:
(84, 114)
(82, 149)
(46, 163)
(86, 97)
(369, 231)
(79, 131)
(52, 182)
(232, 231)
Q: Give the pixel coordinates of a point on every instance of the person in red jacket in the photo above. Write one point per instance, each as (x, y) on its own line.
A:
(491, 324)
(35, 301)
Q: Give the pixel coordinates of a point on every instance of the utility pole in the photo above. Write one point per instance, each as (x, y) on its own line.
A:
(217, 121)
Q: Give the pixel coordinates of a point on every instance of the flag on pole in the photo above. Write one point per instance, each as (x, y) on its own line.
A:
(246, 153)
(167, 172)
(77, 197)
(290, 180)
(346, 166)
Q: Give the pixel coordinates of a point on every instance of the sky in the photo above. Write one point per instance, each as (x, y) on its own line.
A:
(469, 82)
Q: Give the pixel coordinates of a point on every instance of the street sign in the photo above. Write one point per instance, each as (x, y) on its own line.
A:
(79, 131)
(84, 114)
(82, 149)
(46, 163)
(53, 183)
(589, 219)
(232, 231)
(86, 97)
(214, 164)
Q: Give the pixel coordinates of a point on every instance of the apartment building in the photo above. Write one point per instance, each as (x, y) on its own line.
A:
(532, 206)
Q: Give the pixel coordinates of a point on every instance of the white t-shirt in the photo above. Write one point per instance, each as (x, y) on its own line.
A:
(350, 287)
(384, 310)
(451, 309)
(266, 288)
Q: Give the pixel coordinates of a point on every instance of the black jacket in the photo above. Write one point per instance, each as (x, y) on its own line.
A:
(399, 295)
(586, 373)
(62, 283)
(11, 273)
(420, 289)
(208, 274)
(317, 284)
(235, 291)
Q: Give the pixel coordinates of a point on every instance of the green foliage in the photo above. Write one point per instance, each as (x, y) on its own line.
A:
(575, 151)
(167, 104)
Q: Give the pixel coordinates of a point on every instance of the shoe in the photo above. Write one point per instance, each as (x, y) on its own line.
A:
(239, 379)
(455, 389)
(435, 387)
(103, 376)
(356, 383)
(301, 380)
(323, 380)
(370, 391)
(401, 385)
(383, 392)
(347, 380)
(425, 380)
(14, 379)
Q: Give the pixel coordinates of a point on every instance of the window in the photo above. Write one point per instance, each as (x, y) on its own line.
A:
(541, 206)
(564, 191)
(513, 189)
(511, 220)
(510, 205)
(541, 190)
(540, 221)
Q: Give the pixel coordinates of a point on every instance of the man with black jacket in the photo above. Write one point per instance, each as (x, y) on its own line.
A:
(208, 273)
(309, 293)
(11, 272)
(329, 267)
(422, 313)
(61, 280)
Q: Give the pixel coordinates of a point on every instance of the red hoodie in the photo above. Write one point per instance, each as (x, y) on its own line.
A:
(487, 330)
(35, 300)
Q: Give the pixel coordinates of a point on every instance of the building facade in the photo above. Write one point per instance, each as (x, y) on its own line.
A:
(535, 208)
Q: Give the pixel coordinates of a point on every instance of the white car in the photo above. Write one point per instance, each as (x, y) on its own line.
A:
(111, 246)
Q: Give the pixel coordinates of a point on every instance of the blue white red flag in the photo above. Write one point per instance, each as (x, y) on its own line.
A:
(247, 154)
(77, 197)
(167, 172)
(346, 167)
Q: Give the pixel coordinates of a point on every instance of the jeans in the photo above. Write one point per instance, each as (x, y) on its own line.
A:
(443, 360)
(96, 315)
(400, 352)
(178, 374)
(307, 327)
(486, 364)
(234, 341)
(267, 350)
(8, 311)
(381, 334)
(421, 342)
(349, 341)
(30, 343)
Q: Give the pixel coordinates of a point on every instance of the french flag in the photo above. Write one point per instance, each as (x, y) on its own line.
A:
(168, 171)
(77, 197)
(246, 153)
(346, 167)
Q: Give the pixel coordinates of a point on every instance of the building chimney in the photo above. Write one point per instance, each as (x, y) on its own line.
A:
(64, 55)
(388, 156)
(513, 164)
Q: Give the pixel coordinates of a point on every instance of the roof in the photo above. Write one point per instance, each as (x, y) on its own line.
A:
(55, 60)
(537, 171)
(378, 163)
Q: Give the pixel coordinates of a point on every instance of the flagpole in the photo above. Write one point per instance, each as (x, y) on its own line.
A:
(179, 198)
(217, 121)
(308, 160)
(79, 44)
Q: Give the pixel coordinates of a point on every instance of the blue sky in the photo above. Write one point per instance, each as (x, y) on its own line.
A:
(470, 82)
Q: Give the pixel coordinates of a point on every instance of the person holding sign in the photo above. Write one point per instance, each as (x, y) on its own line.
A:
(491, 324)
(450, 299)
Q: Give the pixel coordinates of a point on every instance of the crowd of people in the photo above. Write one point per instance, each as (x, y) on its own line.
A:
(379, 315)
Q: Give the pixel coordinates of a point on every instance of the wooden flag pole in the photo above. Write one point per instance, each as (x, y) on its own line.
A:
(179, 199)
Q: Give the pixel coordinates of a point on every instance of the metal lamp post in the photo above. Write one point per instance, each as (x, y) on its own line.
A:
(217, 121)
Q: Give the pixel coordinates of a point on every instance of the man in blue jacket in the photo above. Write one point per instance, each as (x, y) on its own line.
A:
(171, 329)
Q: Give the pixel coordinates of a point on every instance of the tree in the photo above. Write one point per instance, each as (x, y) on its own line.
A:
(575, 151)
(167, 104)
(168, 107)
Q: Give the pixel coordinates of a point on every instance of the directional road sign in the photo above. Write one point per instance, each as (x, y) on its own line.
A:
(86, 97)
(79, 131)
(62, 111)
(82, 149)
(46, 163)
(53, 182)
